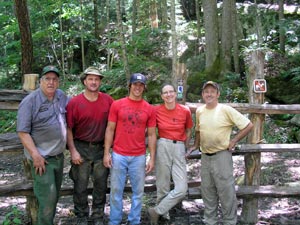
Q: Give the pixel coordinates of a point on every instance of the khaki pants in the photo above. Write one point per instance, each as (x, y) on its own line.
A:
(170, 164)
(217, 184)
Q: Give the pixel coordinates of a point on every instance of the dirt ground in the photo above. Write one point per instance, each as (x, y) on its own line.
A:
(276, 169)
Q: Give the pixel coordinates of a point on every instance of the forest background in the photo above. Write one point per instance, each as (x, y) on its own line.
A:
(212, 39)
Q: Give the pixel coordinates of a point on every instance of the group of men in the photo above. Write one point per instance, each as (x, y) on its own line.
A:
(112, 136)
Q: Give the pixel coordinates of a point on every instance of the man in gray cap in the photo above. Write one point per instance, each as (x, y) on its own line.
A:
(41, 126)
(87, 116)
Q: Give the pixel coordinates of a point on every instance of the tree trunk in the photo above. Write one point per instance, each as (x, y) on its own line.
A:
(259, 28)
(109, 58)
(174, 42)
(198, 10)
(226, 36)
(252, 160)
(81, 35)
(153, 14)
(96, 20)
(62, 43)
(26, 38)
(211, 32)
(164, 13)
(134, 16)
(122, 39)
(281, 26)
(235, 40)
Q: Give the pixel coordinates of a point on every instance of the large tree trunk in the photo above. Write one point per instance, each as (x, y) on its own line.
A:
(122, 39)
(235, 40)
(26, 38)
(163, 12)
(211, 32)
(226, 36)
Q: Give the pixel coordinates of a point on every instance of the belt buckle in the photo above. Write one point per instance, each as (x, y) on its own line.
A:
(174, 141)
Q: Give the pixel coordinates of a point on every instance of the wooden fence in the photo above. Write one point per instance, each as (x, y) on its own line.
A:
(10, 143)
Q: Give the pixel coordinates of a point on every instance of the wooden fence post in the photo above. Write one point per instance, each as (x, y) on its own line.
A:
(31, 201)
(253, 160)
(30, 81)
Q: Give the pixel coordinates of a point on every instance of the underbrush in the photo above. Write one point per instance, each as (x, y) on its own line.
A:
(8, 121)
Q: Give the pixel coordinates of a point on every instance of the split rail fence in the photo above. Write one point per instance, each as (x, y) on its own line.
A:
(10, 143)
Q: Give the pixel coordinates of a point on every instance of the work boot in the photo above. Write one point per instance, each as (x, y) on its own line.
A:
(153, 216)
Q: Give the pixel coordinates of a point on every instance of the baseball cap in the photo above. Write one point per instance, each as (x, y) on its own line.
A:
(212, 83)
(48, 69)
(137, 77)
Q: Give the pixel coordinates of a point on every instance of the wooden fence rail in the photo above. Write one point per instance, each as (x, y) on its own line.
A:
(9, 143)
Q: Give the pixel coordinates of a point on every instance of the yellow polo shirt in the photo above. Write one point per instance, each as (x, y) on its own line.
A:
(215, 126)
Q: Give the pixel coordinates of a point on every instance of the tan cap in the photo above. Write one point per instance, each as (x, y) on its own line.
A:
(212, 83)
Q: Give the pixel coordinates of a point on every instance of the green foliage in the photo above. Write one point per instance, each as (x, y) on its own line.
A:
(14, 217)
(8, 121)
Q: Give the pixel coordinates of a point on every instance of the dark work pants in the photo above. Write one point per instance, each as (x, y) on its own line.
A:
(80, 175)
(46, 188)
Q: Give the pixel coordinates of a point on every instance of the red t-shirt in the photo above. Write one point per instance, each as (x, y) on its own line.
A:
(88, 119)
(131, 118)
(172, 124)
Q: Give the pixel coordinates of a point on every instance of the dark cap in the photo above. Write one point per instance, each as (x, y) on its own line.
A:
(91, 71)
(214, 84)
(137, 77)
(48, 69)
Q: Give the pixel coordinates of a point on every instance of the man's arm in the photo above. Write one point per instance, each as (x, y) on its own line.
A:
(196, 144)
(75, 156)
(39, 162)
(188, 132)
(152, 148)
(109, 137)
(239, 136)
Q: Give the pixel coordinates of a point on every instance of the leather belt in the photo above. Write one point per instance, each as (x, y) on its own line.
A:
(91, 143)
(58, 156)
(210, 154)
(173, 141)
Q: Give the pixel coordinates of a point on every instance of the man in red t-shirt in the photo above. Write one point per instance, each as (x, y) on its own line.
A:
(174, 123)
(87, 116)
(130, 118)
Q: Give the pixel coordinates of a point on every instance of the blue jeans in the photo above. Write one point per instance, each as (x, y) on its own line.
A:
(134, 167)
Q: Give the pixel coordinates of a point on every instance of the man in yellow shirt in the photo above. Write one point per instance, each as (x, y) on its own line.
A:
(214, 123)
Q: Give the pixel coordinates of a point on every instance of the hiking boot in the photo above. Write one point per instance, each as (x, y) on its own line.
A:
(153, 216)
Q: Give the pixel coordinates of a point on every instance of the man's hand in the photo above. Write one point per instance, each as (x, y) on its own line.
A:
(76, 158)
(189, 151)
(107, 162)
(39, 164)
(150, 166)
